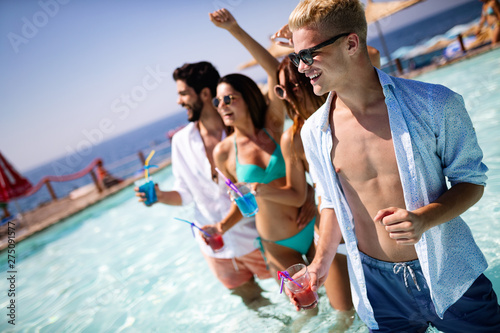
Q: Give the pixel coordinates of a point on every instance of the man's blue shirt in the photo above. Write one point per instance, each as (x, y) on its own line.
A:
(434, 140)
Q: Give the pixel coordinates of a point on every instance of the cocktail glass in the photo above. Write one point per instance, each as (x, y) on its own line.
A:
(147, 186)
(215, 241)
(300, 287)
(246, 203)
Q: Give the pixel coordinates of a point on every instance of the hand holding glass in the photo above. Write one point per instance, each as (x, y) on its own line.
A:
(244, 199)
(300, 286)
(147, 186)
(215, 241)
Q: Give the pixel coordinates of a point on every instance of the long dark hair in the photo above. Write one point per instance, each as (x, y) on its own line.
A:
(251, 94)
(296, 109)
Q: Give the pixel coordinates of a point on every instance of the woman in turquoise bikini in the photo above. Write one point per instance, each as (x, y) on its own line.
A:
(491, 16)
(252, 153)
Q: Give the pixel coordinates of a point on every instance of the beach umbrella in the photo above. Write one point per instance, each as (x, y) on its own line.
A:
(376, 11)
(12, 183)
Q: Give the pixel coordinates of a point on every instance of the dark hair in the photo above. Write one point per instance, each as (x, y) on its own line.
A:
(257, 106)
(198, 75)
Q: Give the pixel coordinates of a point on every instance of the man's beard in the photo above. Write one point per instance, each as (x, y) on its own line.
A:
(196, 109)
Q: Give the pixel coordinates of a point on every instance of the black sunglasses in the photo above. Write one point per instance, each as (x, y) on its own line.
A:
(280, 91)
(306, 55)
(228, 99)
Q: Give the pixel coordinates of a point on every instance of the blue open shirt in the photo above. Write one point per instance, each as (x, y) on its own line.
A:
(433, 140)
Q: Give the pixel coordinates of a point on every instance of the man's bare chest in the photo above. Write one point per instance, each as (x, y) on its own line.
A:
(362, 147)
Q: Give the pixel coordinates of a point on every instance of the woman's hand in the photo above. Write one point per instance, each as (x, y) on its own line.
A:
(222, 18)
(283, 33)
(253, 188)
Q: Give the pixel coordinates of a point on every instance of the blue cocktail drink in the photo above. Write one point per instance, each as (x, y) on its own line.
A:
(246, 203)
(147, 186)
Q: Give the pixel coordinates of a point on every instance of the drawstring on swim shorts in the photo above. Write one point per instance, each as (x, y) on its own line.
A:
(235, 265)
(406, 269)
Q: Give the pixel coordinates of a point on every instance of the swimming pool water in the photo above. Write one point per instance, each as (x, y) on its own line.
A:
(478, 81)
(121, 267)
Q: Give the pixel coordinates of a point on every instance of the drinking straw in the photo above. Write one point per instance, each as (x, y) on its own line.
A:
(233, 187)
(282, 275)
(230, 183)
(146, 164)
(282, 280)
(193, 225)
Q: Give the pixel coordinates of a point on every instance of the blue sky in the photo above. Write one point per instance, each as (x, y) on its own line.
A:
(77, 72)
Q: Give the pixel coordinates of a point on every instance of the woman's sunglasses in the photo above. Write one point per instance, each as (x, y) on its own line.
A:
(228, 99)
(280, 91)
(306, 55)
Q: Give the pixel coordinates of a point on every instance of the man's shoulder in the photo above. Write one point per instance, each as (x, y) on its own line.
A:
(424, 89)
(310, 126)
(312, 130)
(317, 120)
(183, 134)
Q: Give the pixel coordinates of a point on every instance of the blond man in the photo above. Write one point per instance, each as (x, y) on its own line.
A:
(380, 151)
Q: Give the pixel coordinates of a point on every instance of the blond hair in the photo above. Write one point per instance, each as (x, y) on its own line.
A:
(339, 16)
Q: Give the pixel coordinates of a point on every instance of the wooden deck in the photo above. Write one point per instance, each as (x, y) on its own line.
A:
(56, 211)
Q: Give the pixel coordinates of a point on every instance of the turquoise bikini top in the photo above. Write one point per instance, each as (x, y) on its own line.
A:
(251, 173)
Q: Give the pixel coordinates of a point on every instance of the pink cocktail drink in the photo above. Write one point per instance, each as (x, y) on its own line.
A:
(306, 298)
(216, 242)
(300, 287)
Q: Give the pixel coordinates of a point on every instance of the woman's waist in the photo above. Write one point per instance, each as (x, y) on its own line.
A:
(275, 211)
(276, 227)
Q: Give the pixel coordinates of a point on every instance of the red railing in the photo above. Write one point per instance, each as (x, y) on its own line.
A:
(47, 179)
(91, 169)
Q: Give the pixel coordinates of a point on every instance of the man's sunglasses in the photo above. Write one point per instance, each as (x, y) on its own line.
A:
(228, 99)
(306, 55)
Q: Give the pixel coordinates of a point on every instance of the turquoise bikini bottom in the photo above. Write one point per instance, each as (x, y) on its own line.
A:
(300, 242)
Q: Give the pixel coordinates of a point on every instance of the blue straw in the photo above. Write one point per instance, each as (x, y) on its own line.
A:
(194, 225)
(147, 167)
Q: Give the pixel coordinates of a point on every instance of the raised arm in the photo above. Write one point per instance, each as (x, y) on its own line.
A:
(222, 18)
(283, 37)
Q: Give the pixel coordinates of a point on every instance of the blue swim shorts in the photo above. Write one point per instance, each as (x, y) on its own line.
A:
(401, 301)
